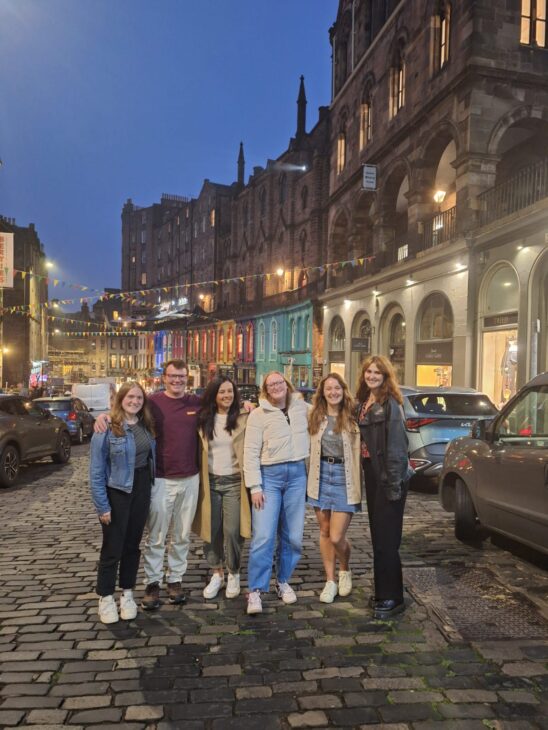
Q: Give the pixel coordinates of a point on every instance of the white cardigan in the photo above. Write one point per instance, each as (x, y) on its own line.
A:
(270, 439)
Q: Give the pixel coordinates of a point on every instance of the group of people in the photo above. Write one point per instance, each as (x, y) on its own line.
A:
(176, 462)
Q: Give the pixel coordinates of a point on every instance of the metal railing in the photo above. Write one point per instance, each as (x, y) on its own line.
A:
(526, 187)
(440, 228)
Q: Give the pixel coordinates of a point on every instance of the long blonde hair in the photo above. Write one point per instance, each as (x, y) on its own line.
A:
(346, 417)
(117, 415)
(389, 386)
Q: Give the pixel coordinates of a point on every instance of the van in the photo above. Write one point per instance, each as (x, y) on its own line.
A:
(97, 396)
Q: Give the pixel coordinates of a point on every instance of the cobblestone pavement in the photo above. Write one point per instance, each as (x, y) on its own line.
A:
(471, 651)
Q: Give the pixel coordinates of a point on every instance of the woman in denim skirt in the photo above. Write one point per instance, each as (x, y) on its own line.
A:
(334, 478)
(122, 464)
(223, 515)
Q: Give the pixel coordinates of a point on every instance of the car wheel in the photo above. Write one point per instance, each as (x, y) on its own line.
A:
(466, 518)
(9, 466)
(62, 455)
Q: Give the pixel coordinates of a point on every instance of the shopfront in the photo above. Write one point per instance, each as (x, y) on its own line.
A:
(499, 336)
(434, 348)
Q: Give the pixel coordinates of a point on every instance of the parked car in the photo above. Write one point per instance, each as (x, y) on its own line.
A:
(249, 391)
(497, 478)
(28, 432)
(74, 413)
(435, 416)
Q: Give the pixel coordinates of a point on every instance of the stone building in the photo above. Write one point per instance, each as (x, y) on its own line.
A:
(448, 102)
(24, 331)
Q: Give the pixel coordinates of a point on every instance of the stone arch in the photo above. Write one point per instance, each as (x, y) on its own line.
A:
(520, 140)
(487, 280)
(339, 248)
(513, 117)
(392, 341)
(538, 310)
(393, 207)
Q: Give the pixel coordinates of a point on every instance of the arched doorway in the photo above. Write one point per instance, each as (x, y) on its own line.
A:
(362, 333)
(499, 339)
(395, 342)
(337, 346)
(434, 348)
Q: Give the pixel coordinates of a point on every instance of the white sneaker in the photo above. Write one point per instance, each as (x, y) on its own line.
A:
(108, 613)
(254, 603)
(286, 593)
(329, 592)
(128, 607)
(214, 586)
(345, 582)
(233, 585)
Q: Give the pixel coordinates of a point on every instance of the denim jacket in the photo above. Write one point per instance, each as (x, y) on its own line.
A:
(112, 464)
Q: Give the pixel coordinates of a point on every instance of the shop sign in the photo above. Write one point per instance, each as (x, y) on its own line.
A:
(440, 353)
(501, 320)
(6, 260)
(336, 355)
(369, 177)
(361, 344)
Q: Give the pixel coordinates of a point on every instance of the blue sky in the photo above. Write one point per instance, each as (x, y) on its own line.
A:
(104, 100)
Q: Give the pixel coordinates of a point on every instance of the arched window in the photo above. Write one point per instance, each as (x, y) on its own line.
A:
(307, 333)
(503, 291)
(397, 345)
(239, 343)
(366, 119)
(249, 342)
(434, 349)
(437, 319)
(293, 334)
(229, 344)
(341, 152)
(221, 344)
(274, 337)
(338, 335)
(262, 339)
(397, 80)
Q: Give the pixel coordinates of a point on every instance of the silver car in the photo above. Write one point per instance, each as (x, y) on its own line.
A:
(498, 478)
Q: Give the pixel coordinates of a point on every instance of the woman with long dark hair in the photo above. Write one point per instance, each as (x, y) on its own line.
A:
(334, 478)
(386, 471)
(122, 463)
(222, 517)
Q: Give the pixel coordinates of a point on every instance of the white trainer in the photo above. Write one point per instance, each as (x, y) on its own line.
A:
(128, 607)
(329, 592)
(233, 585)
(214, 586)
(108, 613)
(345, 582)
(254, 603)
(286, 593)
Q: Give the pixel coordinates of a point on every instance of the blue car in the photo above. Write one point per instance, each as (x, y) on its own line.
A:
(74, 413)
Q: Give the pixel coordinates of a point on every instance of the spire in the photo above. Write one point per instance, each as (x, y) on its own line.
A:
(301, 110)
(241, 165)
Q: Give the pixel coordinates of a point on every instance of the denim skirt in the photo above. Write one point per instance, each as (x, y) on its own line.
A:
(332, 495)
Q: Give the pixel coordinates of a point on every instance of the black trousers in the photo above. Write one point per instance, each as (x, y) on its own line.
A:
(386, 524)
(121, 539)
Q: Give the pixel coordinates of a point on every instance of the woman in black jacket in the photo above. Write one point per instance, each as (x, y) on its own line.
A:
(386, 472)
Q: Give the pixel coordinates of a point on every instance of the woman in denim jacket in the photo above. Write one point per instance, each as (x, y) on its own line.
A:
(386, 472)
(122, 463)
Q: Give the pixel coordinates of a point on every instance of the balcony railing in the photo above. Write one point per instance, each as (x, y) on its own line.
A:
(528, 186)
(440, 229)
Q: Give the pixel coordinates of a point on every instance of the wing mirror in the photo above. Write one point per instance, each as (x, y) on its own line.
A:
(481, 430)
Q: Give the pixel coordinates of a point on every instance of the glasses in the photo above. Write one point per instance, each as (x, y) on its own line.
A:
(176, 377)
(275, 383)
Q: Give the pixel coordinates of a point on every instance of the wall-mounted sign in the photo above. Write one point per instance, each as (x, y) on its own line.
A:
(369, 177)
(501, 320)
(440, 353)
(361, 344)
(6, 260)
(336, 356)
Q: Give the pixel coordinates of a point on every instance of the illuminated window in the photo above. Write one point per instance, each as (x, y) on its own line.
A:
(533, 23)
(212, 217)
(366, 130)
(397, 81)
(341, 152)
(240, 344)
(249, 344)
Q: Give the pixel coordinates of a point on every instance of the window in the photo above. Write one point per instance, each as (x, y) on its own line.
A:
(143, 236)
(249, 342)
(282, 183)
(397, 81)
(293, 334)
(262, 342)
(274, 337)
(341, 152)
(212, 217)
(533, 23)
(445, 26)
(366, 129)
(239, 344)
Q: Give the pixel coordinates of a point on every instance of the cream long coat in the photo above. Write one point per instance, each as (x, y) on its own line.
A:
(201, 524)
(352, 464)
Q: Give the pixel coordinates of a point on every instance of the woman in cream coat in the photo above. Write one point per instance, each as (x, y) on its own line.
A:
(223, 515)
(334, 478)
(277, 445)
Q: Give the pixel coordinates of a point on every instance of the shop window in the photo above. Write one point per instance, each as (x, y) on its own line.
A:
(229, 344)
(503, 291)
(533, 23)
(239, 344)
(249, 342)
(293, 327)
(397, 345)
(437, 319)
(337, 345)
(434, 350)
(221, 344)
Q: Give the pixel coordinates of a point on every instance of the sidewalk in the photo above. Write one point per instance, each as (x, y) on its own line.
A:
(471, 651)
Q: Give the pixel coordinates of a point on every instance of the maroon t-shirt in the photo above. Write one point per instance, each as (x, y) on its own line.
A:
(176, 422)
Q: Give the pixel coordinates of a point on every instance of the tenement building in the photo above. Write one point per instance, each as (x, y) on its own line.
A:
(438, 188)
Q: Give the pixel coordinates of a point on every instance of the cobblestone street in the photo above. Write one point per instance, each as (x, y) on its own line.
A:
(471, 651)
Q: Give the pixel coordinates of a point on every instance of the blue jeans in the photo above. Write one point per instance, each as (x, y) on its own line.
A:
(284, 488)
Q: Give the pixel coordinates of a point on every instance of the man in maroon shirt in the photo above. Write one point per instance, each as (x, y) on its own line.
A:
(175, 491)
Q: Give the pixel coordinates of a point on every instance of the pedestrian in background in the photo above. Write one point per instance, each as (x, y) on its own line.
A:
(223, 515)
(276, 446)
(386, 471)
(334, 478)
(122, 462)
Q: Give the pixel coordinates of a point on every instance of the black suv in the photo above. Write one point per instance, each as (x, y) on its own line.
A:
(28, 432)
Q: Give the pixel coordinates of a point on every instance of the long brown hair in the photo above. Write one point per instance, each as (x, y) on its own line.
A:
(117, 415)
(389, 386)
(264, 390)
(346, 416)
